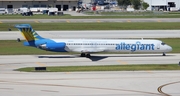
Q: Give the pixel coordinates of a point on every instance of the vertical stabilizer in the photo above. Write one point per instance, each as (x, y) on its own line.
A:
(28, 33)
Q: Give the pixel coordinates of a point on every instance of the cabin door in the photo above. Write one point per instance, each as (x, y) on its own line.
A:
(158, 46)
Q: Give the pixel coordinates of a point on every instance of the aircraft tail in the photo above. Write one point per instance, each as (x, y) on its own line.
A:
(28, 33)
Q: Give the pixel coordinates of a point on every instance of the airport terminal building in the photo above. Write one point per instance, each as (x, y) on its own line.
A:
(163, 5)
(71, 5)
(62, 5)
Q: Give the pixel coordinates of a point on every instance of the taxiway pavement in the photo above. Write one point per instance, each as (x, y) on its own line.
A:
(96, 59)
(13, 35)
(117, 83)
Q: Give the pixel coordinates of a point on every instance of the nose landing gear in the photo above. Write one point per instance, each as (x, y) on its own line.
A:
(164, 54)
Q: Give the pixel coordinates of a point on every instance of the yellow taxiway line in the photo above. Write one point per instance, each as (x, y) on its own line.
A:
(40, 64)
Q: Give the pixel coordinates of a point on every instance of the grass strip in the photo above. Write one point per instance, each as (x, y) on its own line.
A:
(12, 47)
(103, 15)
(98, 26)
(144, 67)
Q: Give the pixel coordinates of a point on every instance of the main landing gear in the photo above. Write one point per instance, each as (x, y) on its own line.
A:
(85, 55)
(164, 54)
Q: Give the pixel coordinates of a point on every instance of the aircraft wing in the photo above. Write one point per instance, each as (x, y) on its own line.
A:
(88, 50)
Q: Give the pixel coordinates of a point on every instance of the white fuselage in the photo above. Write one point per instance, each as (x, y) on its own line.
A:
(113, 45)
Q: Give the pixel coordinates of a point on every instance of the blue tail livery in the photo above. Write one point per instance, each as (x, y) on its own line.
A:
(28, 33)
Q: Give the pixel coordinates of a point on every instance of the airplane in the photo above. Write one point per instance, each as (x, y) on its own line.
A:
(87, 46)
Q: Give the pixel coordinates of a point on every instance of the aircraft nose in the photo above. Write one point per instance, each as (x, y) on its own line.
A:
(169, 48)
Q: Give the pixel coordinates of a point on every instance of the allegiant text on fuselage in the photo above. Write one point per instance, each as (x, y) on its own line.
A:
(134, 47)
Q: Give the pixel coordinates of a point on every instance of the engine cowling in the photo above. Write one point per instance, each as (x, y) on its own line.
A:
(52, 46)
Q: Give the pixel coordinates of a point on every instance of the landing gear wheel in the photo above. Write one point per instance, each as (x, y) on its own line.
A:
(83, 55)
(164, 54)
(88, 55)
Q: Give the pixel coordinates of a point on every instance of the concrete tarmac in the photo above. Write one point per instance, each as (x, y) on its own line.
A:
(117, 83)
(13, 35)
(96, 59)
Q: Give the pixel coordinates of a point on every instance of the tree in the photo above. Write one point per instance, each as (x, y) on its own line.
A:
(145, 5)
(136, 4)
(124, 3)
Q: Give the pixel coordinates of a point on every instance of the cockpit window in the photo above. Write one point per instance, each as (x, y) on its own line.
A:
(163, 43)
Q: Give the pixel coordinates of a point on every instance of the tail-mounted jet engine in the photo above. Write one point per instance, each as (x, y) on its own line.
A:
(52, 46)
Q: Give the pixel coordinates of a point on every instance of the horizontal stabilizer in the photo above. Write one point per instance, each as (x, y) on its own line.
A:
(23, 26)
